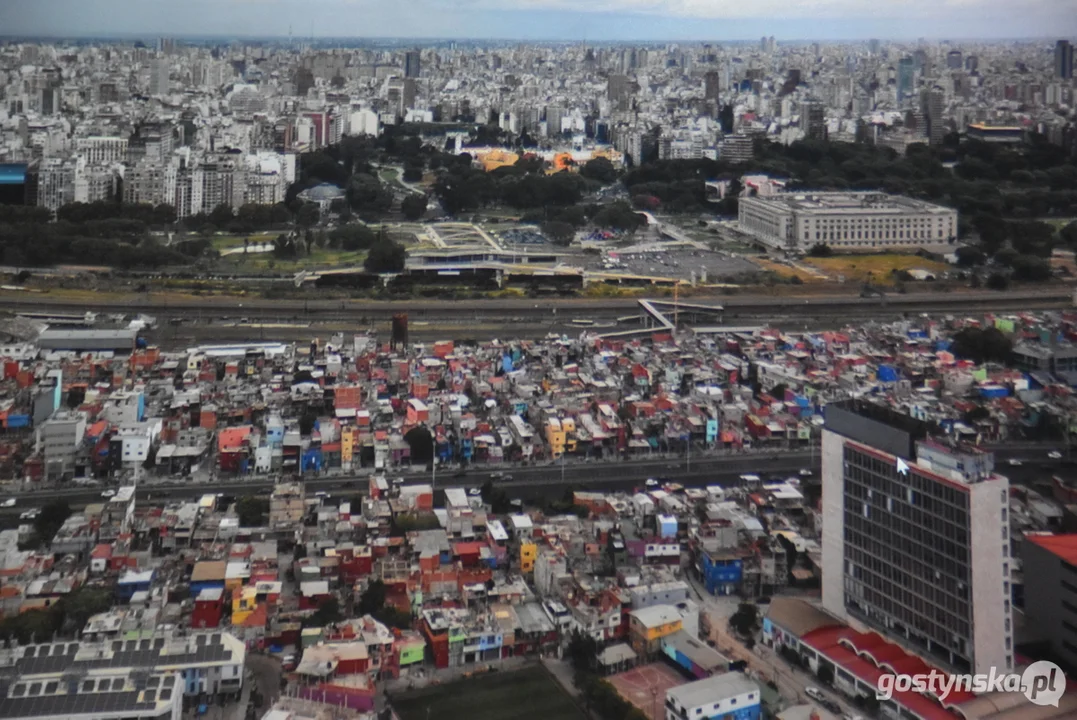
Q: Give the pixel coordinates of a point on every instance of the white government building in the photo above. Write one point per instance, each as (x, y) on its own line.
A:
(846, 221)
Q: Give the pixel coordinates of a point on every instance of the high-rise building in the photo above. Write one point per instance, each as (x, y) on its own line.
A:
(412, 64)
(159, 69)
(617, 91)
(932, 103)
(972, 63)
(906, 74)
(713, 85)
(873, 46)
(1064, 59)
(954, 60)
(916, 537)
(813, 120)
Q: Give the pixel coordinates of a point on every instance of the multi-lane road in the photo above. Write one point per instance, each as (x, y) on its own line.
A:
(529, 482)
(536, 482)
(189, 320)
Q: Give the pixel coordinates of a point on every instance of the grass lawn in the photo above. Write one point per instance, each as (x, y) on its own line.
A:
(785, 270)
(223, 242)
(858, 268)
(319, 258)
(528, 694)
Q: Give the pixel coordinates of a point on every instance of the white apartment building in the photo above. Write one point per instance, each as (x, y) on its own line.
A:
(58, 441)
(149, 182)
(93, 182)
(56, 183)
(101, 149)
(916, 538)
(846, 221)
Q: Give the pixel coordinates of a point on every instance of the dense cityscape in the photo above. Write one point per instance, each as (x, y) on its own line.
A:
(404, 379)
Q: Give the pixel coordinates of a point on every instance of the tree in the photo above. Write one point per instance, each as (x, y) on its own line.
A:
(982, 345)
(51, 519)
(560, 233)
(421, 443)
(385, 256)
(252, 511)
(308, 240)
(825, 673)
(820, 250)
(746, 619)
(968, 256)
(599, 169)
(328, 612)
(413, 206)
(413, 173)
(221, 215)
(307, 420)
(308, 215)
(998, 281)
(82, 604)
(372, 599)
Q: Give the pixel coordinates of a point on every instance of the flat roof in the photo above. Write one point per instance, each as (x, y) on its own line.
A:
(712, 689)
(849, 203)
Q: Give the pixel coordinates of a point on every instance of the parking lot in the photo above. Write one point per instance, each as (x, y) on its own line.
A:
(678, 262)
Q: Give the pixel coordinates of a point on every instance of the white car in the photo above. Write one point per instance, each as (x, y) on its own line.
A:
(30, 514)
(474, 492)
(1055, 455)
(10, 502)
(651, 482)
(814, 693)
(108, 493)
(805, 472)
(1014, 462)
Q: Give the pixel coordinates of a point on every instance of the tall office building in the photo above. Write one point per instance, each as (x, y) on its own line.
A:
(713, 85)
(932, 103)
(412, 64)
(159, 76)
(617, 91)
(813, 120)
(906, 74)
(916, 537)
(1064, 59)
(954, 60)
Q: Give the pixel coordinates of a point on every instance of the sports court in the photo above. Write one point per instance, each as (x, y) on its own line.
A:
(645, 687)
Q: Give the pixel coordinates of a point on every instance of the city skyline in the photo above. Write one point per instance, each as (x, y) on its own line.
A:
(548, 20)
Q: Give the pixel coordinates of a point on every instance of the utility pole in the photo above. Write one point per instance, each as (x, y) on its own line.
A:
(433, 459)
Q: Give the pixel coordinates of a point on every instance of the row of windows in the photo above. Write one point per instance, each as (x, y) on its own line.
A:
(881, 475)
(874, 606)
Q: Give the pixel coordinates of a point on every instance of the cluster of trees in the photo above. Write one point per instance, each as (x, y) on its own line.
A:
(372, 602)
(67, 615)
(598, 695)
(982, 345)
(88, 234)
(252, 511)
(1024, 182)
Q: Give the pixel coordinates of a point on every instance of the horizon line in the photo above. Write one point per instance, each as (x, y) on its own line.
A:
(154, 35)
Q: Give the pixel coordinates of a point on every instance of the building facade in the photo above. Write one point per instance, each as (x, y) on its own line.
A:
(846, 221)
(1049, 563)
(916, 538)
(730, 696)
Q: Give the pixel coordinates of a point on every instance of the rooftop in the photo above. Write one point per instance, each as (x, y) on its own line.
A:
(712, 689)
(1063, 547)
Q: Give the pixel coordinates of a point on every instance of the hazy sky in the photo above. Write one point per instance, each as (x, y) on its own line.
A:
(548, 19)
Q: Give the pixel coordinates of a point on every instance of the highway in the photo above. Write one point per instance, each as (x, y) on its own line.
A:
(528, 483)
(188, 321)
(537, 482)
